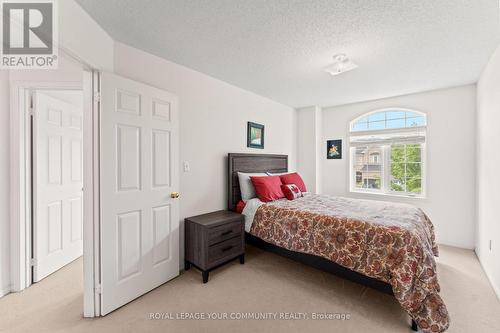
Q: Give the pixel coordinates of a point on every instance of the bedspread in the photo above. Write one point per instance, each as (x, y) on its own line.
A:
(390, 242)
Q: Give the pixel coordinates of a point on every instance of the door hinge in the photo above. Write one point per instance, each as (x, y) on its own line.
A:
(97, 96)
(98, 289)
(33, 262)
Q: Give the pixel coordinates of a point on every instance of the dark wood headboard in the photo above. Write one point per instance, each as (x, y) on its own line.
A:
(250, 163)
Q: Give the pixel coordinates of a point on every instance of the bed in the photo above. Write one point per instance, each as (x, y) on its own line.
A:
(385, 246)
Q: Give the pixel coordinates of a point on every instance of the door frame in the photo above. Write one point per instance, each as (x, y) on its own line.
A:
(21, 187)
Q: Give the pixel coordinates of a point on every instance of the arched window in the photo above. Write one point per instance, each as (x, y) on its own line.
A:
(388, 119)
(387, 152)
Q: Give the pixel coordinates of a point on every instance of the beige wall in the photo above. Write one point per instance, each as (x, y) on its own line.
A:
(307, 136)
(488, 177)
(213, 122)
(451, 115)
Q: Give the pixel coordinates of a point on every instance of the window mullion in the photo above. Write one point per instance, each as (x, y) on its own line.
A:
(406, 167)
(385, 168)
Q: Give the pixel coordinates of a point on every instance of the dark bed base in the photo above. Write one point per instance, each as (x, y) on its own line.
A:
(324, 265)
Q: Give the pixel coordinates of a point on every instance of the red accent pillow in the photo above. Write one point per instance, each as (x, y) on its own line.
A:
(267, 188)
(240, 206)
(291, 191)
(294, 178)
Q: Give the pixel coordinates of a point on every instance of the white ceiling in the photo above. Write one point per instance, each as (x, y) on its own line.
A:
(278, 48)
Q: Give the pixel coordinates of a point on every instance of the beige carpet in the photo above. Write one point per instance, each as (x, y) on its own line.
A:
(266, 283)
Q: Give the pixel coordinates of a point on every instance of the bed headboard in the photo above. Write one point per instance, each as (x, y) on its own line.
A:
(240, 162)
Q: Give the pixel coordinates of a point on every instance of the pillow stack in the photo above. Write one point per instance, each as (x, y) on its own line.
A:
(270, 187)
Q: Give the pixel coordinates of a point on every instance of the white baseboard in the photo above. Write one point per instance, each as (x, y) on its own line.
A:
(4, 291)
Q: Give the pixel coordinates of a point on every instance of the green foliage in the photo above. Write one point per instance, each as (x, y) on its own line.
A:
(378, 182)
(406, 168)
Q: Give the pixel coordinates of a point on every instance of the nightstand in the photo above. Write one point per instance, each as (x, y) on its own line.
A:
(213, 239)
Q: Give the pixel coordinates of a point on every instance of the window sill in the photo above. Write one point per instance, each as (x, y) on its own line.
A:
(392, 195)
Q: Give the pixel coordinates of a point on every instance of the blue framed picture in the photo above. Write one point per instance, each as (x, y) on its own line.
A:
(334, 149)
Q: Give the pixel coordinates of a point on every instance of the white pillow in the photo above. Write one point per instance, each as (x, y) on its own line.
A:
(279, 173)
(246, 187)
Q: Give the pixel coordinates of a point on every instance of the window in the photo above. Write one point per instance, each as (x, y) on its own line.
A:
(390, 119)
(375, 158)
(387, 152)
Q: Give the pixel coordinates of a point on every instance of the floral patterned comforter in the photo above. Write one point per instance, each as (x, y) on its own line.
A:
(387, 241)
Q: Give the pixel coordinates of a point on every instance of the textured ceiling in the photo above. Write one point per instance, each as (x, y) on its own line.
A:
(278, 48)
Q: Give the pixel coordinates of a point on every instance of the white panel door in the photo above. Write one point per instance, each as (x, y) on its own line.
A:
(57, 183)
(139, 171)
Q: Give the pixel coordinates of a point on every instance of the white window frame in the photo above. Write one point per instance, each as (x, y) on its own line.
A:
(385, 189)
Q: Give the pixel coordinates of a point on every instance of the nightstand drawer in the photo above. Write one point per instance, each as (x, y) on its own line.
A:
(226, 249)
(224, 232)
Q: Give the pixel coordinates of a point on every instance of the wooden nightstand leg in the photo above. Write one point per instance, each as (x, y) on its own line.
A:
(187, 265)
(242, 259)
(205, 276)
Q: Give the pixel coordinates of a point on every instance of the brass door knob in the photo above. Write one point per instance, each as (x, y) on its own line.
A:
(174, 195)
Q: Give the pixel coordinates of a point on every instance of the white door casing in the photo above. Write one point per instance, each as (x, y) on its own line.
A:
(139, 158)
(57, 183)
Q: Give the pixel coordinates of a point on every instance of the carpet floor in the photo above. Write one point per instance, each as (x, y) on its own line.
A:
(267, 283)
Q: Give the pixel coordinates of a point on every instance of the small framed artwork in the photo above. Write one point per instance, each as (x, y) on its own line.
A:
(334, 149)
(255, 135)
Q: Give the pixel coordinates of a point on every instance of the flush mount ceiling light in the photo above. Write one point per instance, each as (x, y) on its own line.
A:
(341, 64)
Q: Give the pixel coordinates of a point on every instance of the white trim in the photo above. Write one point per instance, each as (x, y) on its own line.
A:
(18, 185)
(91, 236)
(402, 130)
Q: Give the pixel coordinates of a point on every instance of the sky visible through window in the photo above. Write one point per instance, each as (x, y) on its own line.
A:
(392, 119)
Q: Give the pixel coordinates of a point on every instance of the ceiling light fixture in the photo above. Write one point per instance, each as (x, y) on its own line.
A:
(341, 64)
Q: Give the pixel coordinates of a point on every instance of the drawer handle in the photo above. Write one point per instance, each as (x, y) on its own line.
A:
(227, 248)
(226, 233)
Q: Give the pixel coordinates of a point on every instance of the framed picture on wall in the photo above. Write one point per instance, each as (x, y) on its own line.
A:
(255, 135)
(334, 149)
